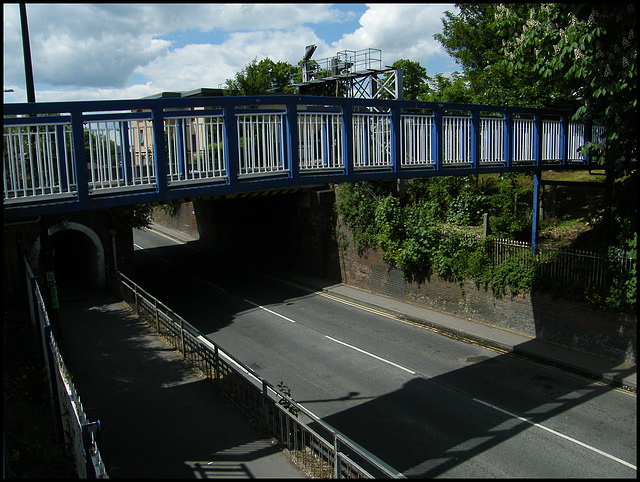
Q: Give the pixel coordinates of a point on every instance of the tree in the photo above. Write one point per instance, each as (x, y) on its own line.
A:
(262, 77)
(592, 50)
(476, 38)
(414, 79)
(455, 88)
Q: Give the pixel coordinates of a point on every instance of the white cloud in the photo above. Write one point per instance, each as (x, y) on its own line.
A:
(400, 31)
(203, 65)
(93, 50)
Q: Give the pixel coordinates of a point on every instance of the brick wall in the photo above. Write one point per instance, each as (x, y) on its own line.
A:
(184, 219)
(101, 222)
(564, 322)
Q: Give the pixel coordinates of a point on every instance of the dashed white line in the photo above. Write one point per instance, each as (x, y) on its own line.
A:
(269, 311)
(577, 442)
(371, 355)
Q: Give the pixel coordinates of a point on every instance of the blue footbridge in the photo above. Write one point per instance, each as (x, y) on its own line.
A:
(63, 157)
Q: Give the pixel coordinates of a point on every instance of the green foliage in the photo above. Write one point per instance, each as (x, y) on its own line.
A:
(511, 208)
(515, 275)
(475, 38)
(455, 88)
(169, 208)
(357, 203)
(414, 78)
(136, 216)
(411, 235)
(623, 292)
(262, 77)
(290, 407)
(590, 50)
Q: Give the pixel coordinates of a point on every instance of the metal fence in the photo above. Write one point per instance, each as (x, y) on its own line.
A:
(82, 436)
(319, 448)
(561, 264)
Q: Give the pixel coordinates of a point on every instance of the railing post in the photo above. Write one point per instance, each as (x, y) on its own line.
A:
(347, 139)
(80, 161)
(184, 351)
(336, 457)
(216, 361)
(396, 133)
(535, 216)
(475, 139)
(508, 139)
(588, 137)
(438, 138)
(91, 432)
(62, 158)
(160, 151)
(537, 148)
(293, 156)
(51, 363)
(155, 303)
(564, 139)
(125, 153)
(231, 153)
(180, 154)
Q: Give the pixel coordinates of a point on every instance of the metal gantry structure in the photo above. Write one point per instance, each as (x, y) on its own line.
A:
(356, 74)
(72, 156)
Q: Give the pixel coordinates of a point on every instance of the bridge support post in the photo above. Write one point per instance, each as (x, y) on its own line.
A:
(536, 213)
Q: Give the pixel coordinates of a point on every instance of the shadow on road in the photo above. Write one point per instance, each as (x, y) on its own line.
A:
(427, 437)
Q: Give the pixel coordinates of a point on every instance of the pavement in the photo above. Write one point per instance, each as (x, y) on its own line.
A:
(161, 419)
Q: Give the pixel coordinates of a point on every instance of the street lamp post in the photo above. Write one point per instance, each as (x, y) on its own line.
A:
(28, 68)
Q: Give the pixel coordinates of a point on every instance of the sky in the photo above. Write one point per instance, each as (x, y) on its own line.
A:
(129, 51)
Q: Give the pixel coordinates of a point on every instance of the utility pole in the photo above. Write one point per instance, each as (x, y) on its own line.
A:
(26, 49)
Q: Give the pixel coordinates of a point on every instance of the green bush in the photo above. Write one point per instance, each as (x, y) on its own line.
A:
(409, 233)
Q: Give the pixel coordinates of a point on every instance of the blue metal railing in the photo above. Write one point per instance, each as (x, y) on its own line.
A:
(155, 150)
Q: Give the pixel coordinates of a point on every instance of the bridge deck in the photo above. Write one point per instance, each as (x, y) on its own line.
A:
(155, 150)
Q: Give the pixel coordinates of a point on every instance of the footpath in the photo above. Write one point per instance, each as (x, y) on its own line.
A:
(606, 371)
(159, 418)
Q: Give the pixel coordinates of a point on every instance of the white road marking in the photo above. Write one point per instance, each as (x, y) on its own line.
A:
(371, 355)
(269, 311)
(577, 442)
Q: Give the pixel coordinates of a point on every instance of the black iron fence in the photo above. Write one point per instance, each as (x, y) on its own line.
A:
(586, 268)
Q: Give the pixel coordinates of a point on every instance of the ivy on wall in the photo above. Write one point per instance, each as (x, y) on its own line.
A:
(428, 232)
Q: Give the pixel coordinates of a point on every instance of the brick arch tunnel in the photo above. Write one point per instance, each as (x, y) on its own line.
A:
(78, 255)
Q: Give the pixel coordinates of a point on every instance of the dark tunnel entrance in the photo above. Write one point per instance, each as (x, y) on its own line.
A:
(76, 259)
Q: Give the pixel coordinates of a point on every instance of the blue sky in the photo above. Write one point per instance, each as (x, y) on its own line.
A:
(128, 51)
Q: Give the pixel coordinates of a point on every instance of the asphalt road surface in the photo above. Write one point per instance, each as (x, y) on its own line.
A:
(426, 404)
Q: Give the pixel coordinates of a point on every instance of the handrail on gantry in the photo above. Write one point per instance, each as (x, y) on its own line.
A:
(156, 150)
